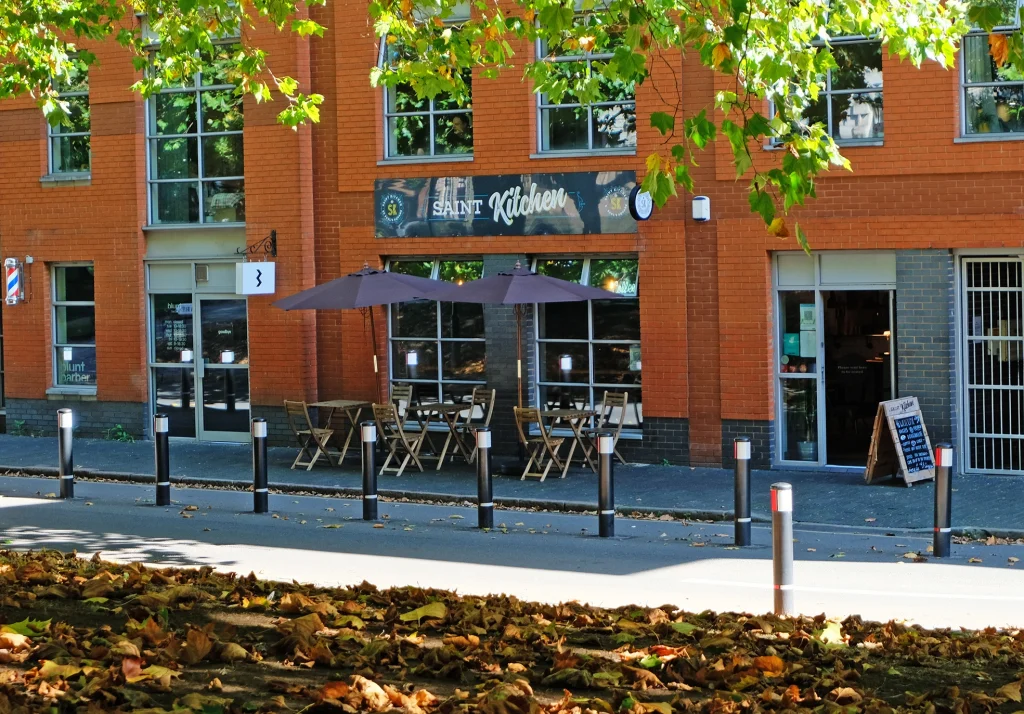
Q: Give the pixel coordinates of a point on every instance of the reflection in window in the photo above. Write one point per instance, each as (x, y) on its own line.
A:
(850, 105)
(74, 326)
(70, 143)
(438, 346)
(587, 348)
(993, 96)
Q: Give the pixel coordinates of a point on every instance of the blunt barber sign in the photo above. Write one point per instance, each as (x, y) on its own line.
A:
(526, 204)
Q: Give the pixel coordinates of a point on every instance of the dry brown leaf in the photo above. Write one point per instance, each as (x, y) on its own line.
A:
(999, 48)
(1011, 691)
(366, 694)
(232, 652)
(770, 665)
(333, 690)
(197, 646)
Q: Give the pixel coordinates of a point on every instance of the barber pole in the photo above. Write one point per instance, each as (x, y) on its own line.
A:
(15, 292)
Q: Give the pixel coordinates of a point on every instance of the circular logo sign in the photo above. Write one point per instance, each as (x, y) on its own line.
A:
(392, 207)
(641, 205)
(616, 202)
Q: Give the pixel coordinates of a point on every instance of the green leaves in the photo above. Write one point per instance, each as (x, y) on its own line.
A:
(665, 123)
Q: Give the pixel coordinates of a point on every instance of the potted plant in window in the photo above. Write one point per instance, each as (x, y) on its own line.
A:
(808, 448)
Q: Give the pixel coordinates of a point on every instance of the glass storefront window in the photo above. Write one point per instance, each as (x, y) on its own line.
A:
(438, 347)
(587, 348)
(74, 326)
(797, 366)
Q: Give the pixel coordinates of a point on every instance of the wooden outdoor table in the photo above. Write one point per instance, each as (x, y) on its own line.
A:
(447, 412)
(351, 408)
(575, 419)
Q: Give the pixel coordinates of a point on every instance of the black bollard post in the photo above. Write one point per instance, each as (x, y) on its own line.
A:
(64, 453)
(782, 548)
(605, 485)
(260, 496)
(741, 519)
(943, 500)
(484, 490)
(368, 433)
(163, 460)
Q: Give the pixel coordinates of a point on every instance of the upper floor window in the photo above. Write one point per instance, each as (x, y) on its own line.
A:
(196, 163)
(69, 143)
(992, 95)
(568, 125)
(74, 326)
(850, 105)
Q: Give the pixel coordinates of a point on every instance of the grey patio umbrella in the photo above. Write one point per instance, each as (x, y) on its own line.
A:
(519, 287)
(363, 290)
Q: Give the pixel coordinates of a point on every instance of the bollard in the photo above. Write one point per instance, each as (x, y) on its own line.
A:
(782, 547)
(64, 456)
(605, 485)
(260, 497)
(741, 518)
(943, 500)
(484, 491)
(368, 432)
(163, 460)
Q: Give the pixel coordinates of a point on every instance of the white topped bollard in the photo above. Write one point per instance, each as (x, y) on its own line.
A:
(368, 434)
(484, 489)
(260, 492)
(65, 457)
(741, 515)
(942, 541)
(163, 459)
(605, 485)
(782, 548)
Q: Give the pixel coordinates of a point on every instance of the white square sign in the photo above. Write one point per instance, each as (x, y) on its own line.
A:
(255, 278)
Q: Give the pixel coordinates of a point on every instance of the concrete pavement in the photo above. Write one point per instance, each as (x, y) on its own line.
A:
(543, 556)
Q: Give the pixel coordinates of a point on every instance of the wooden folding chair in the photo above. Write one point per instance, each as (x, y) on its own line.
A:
(610, 402)
(308, 436)
(481, 407)
(542, 449)
(401, 398)
(391, 430)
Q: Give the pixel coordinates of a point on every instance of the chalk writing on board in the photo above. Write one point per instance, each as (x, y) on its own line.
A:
(913, 444)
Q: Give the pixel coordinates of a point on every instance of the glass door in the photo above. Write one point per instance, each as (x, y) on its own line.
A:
(173, 364)
(798, 376)
(222, 366)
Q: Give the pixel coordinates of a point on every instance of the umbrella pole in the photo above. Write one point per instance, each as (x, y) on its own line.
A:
(519, 352)
(376, 371)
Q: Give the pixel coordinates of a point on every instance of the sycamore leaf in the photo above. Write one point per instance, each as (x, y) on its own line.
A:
(684, 628)
(778, 227)
(29, 628)
(770, 665)
(720, 54)
(431, 611)
(665, 123)
(832, 634)
(1011, 691)
(999, 48)
(197, 646)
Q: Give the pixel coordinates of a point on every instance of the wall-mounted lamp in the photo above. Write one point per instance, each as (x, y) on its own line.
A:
(701, 208)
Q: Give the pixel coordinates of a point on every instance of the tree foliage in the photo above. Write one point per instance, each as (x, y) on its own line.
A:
(775, 54)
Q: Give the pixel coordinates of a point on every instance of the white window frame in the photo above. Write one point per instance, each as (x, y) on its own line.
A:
(438, 338)
(196, 88)
(964, 86)
(57, 345)
(56, 133)
(594, 388)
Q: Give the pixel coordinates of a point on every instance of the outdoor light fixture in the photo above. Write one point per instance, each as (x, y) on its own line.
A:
(186, 355)
(67, 354)
(412, 359)
(701, 208)
(227, 357)
(565, 363)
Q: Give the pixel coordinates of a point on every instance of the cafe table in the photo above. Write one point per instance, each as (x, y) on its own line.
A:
(351, 409)
(448, 413)
(575, 418)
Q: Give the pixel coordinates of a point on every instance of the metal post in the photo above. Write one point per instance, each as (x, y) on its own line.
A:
(163, 460)
(64, 455)
(782, 547)
(484, 490)
(605, 485)
(260, 497)
(368, 432)
(741, 518)
(943, 500)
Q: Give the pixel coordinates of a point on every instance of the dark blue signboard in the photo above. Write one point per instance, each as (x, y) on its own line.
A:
(513, 204)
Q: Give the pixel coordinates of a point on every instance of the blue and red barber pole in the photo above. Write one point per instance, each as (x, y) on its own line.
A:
(15, 291)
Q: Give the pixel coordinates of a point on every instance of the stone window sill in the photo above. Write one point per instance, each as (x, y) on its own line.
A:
(444, 159)
(192, 226)
(70, 394)
(64, 180)
(581, 155)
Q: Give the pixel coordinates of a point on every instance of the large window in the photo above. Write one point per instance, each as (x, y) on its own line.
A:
(850, 105)
(196, 168)
(74, 326)
(993, 96)
(438, 346)
(605, 125)
(587, 348)
(69, 143)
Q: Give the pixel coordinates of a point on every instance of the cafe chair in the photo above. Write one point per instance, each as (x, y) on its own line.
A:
(312, 440)
(542, 448)
(401, 398)
(608, 421)
(481, 407)
(400, 445)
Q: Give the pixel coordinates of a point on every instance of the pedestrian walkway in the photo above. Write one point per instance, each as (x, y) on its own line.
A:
(840, 498)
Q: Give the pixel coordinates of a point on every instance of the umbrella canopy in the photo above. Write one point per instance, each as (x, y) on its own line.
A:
(366, 288)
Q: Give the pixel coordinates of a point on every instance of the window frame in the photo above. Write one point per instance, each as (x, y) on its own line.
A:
(58, 345)
(438, 338)
(197, 89)
(827, 92)
(56, 133)
(964, 86)
(594, 388)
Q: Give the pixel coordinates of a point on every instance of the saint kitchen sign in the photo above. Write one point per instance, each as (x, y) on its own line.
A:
(512, 204)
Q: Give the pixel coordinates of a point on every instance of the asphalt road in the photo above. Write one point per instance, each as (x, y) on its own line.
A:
(540, 556)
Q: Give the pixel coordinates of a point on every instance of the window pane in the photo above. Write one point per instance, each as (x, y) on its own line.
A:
(78, 115)
(74, 283)
(222, 111)
(176, 158)
(799, 419)
(798, 327)
(614, 127)
(453, 134)
(459, 271)
(76, 324)
(859, 65)
(76, 366)
(563, 320)
(175, 113)
(225, 330)
(571, 270)
(172, 328)
(817, 112)
(70, 154)
(857, 116)
(409, 136)
(175, 397)
(402, 99)
(226, 400)
(224, 201)
(413, 360)
(222, 155)
(76, 81)
(414, 319)
(633, 416)
(616, 319)
(619, 275)
(444, 101)
(565, 129)
(564, 362)
(419, 268)
(993, 110)
(464, 360)
(462, 319)
(176, 202)
(616, 363)
(615, 89)
(564, 396)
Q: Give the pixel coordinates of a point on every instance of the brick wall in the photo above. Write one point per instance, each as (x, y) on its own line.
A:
(762, 441)
(91, 419)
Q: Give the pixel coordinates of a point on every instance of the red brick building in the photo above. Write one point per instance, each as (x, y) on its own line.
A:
(915, 287)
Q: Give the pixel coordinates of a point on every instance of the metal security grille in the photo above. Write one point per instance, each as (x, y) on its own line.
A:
(993, 347)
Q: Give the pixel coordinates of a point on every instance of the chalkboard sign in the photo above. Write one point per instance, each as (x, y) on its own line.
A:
(899, 443)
